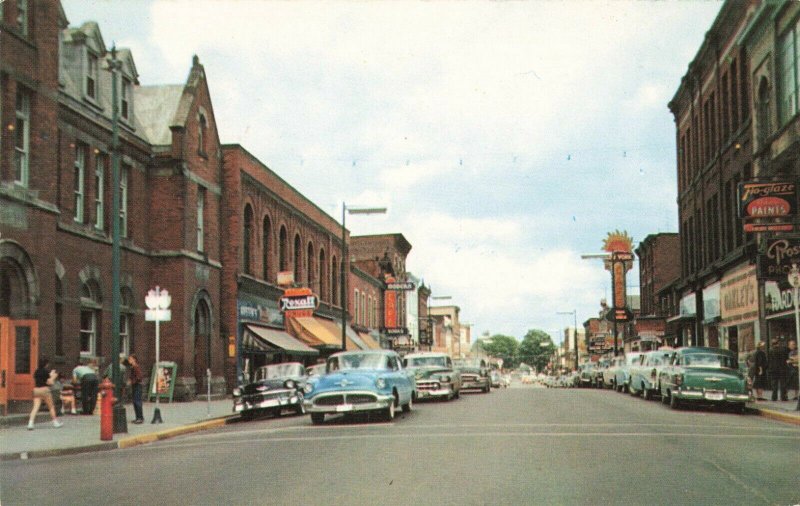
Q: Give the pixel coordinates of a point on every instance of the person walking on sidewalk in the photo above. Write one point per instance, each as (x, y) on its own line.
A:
(86, 375)
(43, 378)
(135, 377)
(776, 366)
(759, 371)
(791, 368)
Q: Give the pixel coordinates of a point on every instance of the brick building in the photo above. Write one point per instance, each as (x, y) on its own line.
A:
(657, 269)
(712, 112)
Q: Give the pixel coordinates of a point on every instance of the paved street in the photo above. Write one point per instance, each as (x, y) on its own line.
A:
(517, 446)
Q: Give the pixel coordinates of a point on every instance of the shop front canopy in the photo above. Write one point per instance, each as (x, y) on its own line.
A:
(265, 340)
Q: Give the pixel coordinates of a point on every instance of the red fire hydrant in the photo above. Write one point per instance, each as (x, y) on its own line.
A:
(106, 410)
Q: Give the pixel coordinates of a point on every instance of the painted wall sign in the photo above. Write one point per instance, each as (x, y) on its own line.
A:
(778, 298)
(739, 296)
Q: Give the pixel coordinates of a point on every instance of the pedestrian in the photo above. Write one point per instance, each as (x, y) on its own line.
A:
(135, 378)
(759, 371)
(86, 376)
(55, 392)
(68, 398)
(791, 370)
(776, 368)
(43, 378)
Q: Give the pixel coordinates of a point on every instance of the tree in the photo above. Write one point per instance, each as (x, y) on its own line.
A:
(504, 347)
(536, 349)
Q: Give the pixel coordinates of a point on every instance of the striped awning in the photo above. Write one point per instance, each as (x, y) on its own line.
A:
(320, 333)
(369, 341)
(276, 340)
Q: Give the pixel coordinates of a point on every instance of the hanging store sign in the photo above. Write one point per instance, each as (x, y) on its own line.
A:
(400, 286)
(298, 302)
(767, 200)
(778, 257)
(778, 298)
(395, 331)
(739, 296)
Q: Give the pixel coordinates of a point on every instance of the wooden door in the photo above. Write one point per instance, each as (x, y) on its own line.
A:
(5, 352)
(24, 344)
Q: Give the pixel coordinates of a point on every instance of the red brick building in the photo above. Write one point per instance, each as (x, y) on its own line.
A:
(657, 269)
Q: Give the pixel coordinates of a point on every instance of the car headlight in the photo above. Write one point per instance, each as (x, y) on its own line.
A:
(308, 388)
(380, 383)
(237, 392)
(289, 384)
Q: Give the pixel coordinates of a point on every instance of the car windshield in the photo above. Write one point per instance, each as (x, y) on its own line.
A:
(707, 360)
(279, 371)
(427, 361)
(357, 361)
(316, 370)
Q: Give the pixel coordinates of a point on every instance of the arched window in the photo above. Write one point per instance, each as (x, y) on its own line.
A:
(283, 250)
(310, 267)
(298, 266)
(247, 239)
(202, 341)
(334, 281)
(266, 235)
(356, 304)
(91, 305)
(323, 277)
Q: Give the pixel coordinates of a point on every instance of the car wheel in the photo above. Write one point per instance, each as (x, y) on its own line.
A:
(388, 413)
(301, 409)
(317, 418)
(674, 402)
(739, 408)
(646, 393)
(665, 398)
(486, 390)
(457, 394)
(408, 407)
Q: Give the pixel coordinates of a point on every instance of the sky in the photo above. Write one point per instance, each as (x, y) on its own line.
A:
(506, 138)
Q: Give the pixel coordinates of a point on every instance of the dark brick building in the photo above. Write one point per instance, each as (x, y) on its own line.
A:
(658, 268)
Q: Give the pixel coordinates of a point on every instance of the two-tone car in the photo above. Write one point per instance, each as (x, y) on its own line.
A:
(645, 375)
(704, 376)
(434, 375)
(274, 388)
(622, 375)
(586, 374)
(610, 372)
(474, 375)
(361, 381)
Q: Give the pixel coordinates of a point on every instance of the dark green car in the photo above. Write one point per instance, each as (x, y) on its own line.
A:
(704, 376)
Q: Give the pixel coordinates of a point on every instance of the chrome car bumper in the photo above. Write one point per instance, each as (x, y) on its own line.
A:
(439, 392)
(351, 401)
(269, 400)
(710, 395)
(469, 385)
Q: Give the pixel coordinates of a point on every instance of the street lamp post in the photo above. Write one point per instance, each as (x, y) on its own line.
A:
(346, 260)
(120, 423)
(157, 302)
(574, 314)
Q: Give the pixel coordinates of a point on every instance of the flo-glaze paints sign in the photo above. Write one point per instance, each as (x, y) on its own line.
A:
(768, 207)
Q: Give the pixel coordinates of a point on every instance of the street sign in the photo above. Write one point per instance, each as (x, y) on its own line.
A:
(157, 315)
(621, 256)
(401, 286)
(396, 331)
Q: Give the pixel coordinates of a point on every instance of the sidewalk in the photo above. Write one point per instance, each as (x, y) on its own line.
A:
(82, 433)
(785, 411)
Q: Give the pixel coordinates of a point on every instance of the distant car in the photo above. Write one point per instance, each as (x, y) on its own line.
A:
(357, 381)
(434, 375)
(497, 379)
(622, 375)
(274, 388)
(586, 375)
(704, 375)
(610, 372)
(316, 370)
(645, 375)
(599, 368)
(474, 375)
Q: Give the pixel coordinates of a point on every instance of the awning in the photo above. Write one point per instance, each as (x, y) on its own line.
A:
(320, 333)
(680, 318)
(278, 339)
(369, 341)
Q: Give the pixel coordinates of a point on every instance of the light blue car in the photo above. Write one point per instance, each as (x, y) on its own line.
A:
(355, 381)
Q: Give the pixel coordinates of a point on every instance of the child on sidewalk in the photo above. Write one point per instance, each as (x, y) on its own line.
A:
(68, 398)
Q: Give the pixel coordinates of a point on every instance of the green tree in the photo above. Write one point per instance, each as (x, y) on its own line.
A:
(504, 347)
(536, 349)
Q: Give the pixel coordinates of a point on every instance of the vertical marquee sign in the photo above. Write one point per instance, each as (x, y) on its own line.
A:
(620, 246)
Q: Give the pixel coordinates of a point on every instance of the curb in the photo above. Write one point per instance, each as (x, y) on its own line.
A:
(129, 442)
(778, 415)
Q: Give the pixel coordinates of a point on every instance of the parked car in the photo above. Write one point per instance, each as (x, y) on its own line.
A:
(622, 376)
(497, 380)
(274, 388)
(356, 381)
(586, 375)
(599, 368)
(610, 372)
(704, 375)
(645, 375)
(474, 375)
(434, 374)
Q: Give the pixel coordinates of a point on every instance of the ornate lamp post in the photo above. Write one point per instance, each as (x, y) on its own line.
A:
(157, 302)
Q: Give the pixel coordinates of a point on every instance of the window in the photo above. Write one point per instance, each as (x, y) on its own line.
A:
(298, 266)
(787, 75)
(99, 190)
(126, 96)
(356, 303)
(91, 75)
(283, 250)
(201, 204)
(201, 135)
(363, 308)
(247, 237)
(22, 137)
(123, 201)
(310, 266)
(90, 315)
(22, 16)
(78, 183)
(126, 323)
